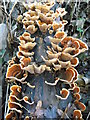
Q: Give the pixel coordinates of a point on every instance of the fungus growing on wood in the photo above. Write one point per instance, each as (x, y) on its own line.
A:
(61, 57)
(61, 11)
(24, 53)
(50, 61)
(76, 89)
(80, 105)
(74, 62)
(77, 114)
(14, 102)
(42, 12)
(60, 34)
(42, 26)
(64, 94)
(10, 115)
(14, 106)
(28, 45)
(26, 100)
(13, 98)
(75, 43)
(77, 96)
(27, 22)
(67, 76)
(31, 28)
(34, 69)
(14, 60)
(25, 61)
(56, 47)
(44, 18)
(57, 26)
(64, 64)
(15, 72)
(54, 40)
(65, 56)
(15, 90)
(76, 75)
(52, 55)
(26, 37)
(56, 67)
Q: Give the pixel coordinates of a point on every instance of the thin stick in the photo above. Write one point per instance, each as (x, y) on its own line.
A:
(4, 6)
(6, 111)
(67, 3)
(65, 112)
(13, 7)
(85, 31)
(88, 116)
(3, 10)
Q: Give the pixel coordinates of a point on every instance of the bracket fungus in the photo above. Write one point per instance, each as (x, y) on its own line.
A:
(64, 94)
(75, 43)
(80, 105)
(25, 61)
(15, 90)
(77, 96)
(59, 36)
(26, 37)
(42, 26)
(77, 114)
(41, 14)
(14, 102)
(11, 114)
(57, 26)
(31, 28)
(27, 44)
(15, 72)
(20, 54)
(50, 61)
(60, 60)
(13, 98)
(14, 106)
(24, 52)
(52, 55)
(44, 18)
(61, 11)
(34, 69)
(56, 47)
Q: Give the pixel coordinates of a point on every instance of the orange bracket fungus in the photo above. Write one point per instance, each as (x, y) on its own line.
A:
(60, 58)
(64, 94)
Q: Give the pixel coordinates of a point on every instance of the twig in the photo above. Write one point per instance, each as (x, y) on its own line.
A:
(13, 7)
(85, 31)
(6, 100)
(65, 112)
(67, 3)
(86, 8)
(74, 9)
(3, 54)
(4, 11)
(11, 13)
(77, 10)
(88, 116)
(4, 6)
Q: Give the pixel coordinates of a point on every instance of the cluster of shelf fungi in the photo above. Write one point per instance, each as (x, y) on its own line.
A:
(61, 53)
